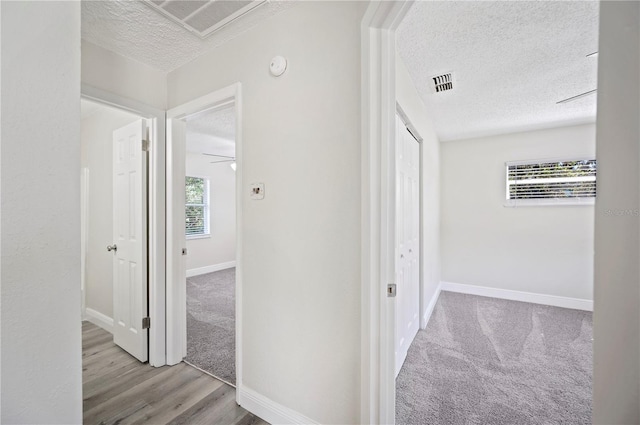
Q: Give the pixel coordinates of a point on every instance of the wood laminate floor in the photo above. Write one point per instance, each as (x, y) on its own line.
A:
(118, 389)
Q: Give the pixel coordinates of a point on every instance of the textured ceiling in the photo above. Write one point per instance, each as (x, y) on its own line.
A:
(511, 62)
(212, 132)
(134, 30)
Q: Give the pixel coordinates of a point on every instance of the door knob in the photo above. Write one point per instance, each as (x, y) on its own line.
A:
(113, 247)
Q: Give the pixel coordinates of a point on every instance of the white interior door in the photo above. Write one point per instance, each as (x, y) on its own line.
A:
(408, 240)
(130, 239)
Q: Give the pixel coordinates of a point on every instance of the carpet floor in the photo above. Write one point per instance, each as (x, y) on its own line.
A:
(211, 323)
(489, 361)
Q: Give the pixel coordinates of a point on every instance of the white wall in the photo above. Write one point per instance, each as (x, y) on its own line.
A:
(111, 72)
(410, 102)
(40, 331)
(220, 247)
(616, 319)
(544, 249)
(97, 155)
(301, 243)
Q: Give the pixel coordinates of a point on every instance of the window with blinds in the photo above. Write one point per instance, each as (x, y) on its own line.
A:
(551, 182)
(197, 206)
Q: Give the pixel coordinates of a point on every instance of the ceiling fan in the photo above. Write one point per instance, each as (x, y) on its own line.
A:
(225, 158)
(581, 95)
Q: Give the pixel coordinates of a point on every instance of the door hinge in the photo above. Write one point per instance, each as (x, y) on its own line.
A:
(391, 290)
(145, 146)
(146, 322)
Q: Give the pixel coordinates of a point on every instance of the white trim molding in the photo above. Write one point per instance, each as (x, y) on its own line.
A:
(430, 307)
(269, 410)
(527, 297)
(378, 100)
(99, 319)
(210, 269)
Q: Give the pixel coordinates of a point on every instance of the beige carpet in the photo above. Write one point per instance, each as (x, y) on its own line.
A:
(489, 361)
(211, 313)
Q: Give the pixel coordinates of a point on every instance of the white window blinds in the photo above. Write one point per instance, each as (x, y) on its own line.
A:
(197, 206)
(563, 182)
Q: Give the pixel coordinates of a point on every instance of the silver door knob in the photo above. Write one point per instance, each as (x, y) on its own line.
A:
(113, 247)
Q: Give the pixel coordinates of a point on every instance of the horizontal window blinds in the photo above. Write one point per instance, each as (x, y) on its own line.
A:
(552, 180)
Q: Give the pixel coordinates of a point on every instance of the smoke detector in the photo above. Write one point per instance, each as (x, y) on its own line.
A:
(442, 82)
(203, 17)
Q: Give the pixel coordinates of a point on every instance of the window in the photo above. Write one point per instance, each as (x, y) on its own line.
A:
(551, 182)
(197, 206)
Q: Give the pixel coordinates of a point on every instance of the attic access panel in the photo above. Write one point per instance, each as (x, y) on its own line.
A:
(203, 17)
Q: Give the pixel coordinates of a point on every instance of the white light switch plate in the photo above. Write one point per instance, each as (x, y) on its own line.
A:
(257, 191)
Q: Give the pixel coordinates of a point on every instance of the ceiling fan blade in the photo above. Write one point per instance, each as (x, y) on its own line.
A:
(576, 97)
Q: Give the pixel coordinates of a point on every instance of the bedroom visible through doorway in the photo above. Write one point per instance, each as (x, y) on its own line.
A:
(210, 231)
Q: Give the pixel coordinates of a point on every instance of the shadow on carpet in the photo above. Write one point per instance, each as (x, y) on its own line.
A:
(489, 361)
(211, 344)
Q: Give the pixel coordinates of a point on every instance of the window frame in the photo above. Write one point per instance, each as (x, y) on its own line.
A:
(206, 207)
(544, 202)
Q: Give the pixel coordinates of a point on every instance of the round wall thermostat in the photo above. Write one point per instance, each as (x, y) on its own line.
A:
(277, 66)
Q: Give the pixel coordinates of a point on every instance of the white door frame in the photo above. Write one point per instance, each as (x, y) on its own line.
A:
(378, 209)
(156, 223)
(176, 294)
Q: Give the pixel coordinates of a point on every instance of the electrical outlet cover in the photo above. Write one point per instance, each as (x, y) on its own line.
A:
(257, 191)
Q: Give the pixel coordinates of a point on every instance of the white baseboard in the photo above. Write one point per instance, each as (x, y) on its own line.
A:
(99, 319)
(210, 269)
(268, 409)
(528, 297)
(430, 307)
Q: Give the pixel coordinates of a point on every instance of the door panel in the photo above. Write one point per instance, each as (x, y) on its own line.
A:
(130, 239)
(408, 240)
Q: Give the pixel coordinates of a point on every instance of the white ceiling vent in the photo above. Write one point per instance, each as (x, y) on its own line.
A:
(203, 17)
(443, 82)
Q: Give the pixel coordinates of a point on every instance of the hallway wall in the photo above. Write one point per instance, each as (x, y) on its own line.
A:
(40, 239)
(301, 243)
(616, 316)
(111, 72)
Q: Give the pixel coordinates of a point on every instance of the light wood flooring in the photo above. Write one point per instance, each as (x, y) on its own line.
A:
(118, 389)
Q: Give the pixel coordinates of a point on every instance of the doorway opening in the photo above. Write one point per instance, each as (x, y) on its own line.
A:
(122, 222)
(566, 138)
(114, 224)
(204, 251)
(210, 230)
